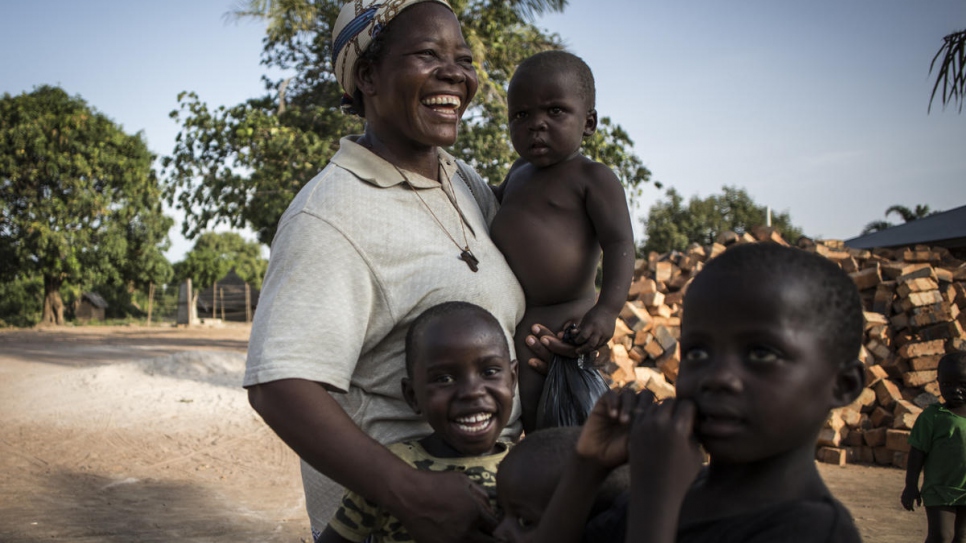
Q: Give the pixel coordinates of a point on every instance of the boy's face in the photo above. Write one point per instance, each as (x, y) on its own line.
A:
(522, 499)
(755, 367)
(463, 383)
(952, 384)
(548, 117)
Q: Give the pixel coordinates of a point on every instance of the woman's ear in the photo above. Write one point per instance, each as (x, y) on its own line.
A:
(409, 394)
(849, 382)
(365, 78)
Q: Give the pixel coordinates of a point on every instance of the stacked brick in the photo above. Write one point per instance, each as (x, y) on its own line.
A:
(915, 312)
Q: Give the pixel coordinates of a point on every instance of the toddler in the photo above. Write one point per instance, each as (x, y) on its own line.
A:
(560, 211)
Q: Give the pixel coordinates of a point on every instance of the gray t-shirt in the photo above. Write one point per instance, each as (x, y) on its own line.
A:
(356, 258)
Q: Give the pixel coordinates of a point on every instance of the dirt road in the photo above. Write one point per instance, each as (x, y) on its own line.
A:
(144, 434)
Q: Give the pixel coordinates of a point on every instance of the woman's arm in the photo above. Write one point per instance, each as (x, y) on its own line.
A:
(434, 507)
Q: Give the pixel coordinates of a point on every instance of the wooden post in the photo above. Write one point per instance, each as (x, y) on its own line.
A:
(150, 301)
(248, 303)
(222, 292)
(214, 299)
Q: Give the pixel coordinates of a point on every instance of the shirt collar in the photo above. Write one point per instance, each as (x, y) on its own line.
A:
(377, 171)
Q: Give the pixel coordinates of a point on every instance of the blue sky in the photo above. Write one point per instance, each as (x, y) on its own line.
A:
(816, 108)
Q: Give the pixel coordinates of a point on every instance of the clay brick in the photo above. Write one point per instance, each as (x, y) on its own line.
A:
(932, 314)
(665, 337)
(619, 356)
(899, 320)
(636, 354)
(897, 440)
(653, 348)
(916, 271)
(621, 330)
(872, 318)
(885, 294)
(653, 380)
(874, 374)
(635, 316)
(932, 388)
(881, 417)
(924, 363)
(903, 407)
(830, 437)
(663, 271)
(865, 455)
(867, 278)
(660, 311)
(853, 439)
(919, 299)
(875, 437)
(850, 416)
(878, 349)
(894, 366)
(831, 455)
(915, 284)
(946, 330)
(900, 459)
(866, 400)
(883, 456)
(652, 299)
(922, 348)
(886, 393)
(865, 356)
(915, 379)
(905, 421)
(670, 363)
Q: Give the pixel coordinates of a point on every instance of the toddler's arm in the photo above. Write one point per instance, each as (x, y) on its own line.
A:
(665, 459)
(601, 447)
(607, 209)
(914, 465)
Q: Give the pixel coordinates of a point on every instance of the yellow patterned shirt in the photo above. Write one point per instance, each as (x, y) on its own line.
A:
(358, 518)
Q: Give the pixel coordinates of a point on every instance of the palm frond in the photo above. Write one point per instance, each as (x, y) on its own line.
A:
(952, 70)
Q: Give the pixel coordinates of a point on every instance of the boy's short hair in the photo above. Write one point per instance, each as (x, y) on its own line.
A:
(546, 452)
(835, 306)
(956, 360)
(445, 310)
(567, 62)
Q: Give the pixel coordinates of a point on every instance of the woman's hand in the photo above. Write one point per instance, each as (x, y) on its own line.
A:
(545, 344)
(445, 507)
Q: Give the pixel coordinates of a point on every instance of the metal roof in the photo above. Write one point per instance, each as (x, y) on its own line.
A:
(946, 229)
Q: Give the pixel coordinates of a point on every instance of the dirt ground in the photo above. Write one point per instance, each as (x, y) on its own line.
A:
(119, 434)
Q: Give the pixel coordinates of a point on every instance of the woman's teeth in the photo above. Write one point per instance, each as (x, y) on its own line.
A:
(446, 101)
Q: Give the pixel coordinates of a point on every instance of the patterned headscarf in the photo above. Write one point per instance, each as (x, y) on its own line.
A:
(358, 23)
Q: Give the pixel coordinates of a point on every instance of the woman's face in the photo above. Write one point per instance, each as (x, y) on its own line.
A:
(417, 92)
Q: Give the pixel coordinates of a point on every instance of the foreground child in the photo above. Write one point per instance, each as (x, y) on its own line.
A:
(527, 478)
(938, 443)
(769, 340)
(461, 379)
(559, 211)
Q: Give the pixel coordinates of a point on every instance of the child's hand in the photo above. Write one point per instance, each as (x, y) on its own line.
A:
(910, 494)
(664, 452)
(594, 330)
(603, 439)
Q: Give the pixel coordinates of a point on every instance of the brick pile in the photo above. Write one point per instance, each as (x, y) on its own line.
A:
(915, 312)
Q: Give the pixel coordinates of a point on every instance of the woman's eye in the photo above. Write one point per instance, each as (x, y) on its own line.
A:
(762, 354)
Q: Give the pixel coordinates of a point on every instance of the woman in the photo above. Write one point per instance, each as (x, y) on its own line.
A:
(390, 227)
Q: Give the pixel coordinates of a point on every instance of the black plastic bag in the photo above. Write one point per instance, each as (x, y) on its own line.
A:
(572, 387)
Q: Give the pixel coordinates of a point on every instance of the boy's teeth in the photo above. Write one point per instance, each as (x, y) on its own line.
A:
(473, 419)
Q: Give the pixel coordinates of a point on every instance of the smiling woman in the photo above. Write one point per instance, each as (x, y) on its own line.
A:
(391, 227)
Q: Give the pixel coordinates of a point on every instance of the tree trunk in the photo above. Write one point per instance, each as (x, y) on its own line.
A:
(53, 305)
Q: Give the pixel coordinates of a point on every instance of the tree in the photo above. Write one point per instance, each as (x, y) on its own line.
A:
(215, 254)
(79, 202)
(952, 70)
(670, 225)
(908, 215)
(242, 165)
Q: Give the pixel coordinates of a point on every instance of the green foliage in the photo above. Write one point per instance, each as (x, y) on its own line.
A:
(952, 71)
(80, 202)
(21, 301)
(243, 165)
(215, 254)
(907, 215)
(670, 225)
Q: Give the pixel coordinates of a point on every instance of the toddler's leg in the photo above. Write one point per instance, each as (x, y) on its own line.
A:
(943, 523)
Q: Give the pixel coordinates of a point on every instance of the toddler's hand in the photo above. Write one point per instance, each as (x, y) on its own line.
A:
(910, 494)
(603, 439)
(594, 330)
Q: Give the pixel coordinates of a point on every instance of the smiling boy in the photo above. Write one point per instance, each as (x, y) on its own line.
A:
(560, 212)
(461, 379)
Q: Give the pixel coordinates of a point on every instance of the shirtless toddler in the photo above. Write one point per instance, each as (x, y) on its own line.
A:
(560, 211)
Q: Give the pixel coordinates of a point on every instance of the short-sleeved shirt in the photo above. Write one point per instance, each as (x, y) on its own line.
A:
(941, 434)
(357, 256)
(358, 518)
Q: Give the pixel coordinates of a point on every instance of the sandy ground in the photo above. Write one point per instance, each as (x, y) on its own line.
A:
(144, 434)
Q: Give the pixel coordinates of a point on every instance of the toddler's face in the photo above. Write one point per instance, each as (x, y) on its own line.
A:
(522, 500)
(463, 384)
(548, 117)
(755, 368)
(952, 385)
